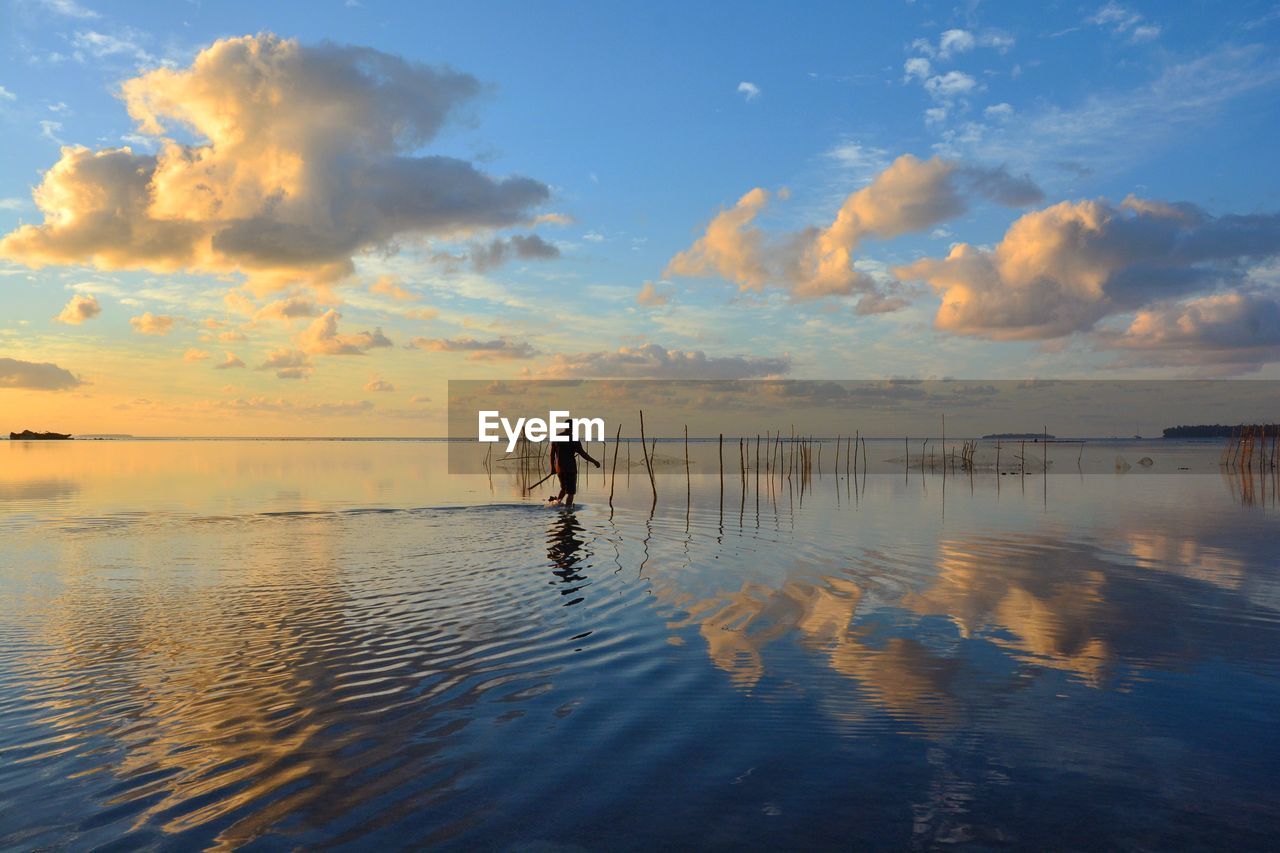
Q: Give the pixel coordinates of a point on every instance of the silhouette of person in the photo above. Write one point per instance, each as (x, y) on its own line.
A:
(564, 463)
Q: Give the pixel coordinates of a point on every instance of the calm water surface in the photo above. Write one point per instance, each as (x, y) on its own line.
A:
(284, 644)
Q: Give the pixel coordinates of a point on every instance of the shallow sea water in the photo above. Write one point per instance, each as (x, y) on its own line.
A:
(292, 644)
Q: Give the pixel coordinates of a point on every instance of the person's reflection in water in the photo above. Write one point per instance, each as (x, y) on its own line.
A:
(567, 551)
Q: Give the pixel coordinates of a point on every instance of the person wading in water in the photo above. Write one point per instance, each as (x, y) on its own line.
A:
(564, 463)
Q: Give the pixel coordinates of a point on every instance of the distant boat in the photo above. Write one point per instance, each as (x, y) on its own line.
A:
(28, 435)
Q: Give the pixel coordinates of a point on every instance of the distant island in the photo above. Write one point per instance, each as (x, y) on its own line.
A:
(1027, 436)
(28, 435)
(1218, 430)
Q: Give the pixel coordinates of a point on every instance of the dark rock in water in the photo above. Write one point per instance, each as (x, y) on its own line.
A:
(28, 435)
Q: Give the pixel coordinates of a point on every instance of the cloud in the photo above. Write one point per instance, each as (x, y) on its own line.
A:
(151, 324)
(389, 285)
(306, 157)
(495, 350)
(953, 84)
(650, 297)
(652, 361)
(998, 111)
(909, 195)
(420, 313)
(1237, 331)
(99, 45)
(269, 405)
(322, 338)
(40, 376)
(916, 68)
(195, 355)
(290, 308)
(287, 363)
(79, 309)
(1122, 21)
(6, 95)
(229, 361)
(1060, 270)
(69, 8)
(955, 41)
(377, 384)
(1110, 130)
(749, 91)
(497, 252)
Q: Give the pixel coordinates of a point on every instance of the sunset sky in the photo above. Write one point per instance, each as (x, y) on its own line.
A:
(303, 218)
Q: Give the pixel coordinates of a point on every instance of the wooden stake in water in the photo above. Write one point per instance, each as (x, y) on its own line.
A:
(613, 478)
(648, 462)
(688, 484)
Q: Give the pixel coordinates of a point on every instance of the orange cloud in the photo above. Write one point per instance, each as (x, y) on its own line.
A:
(79, 309)
(322, 338)
(1060, 270)
(389, 285)
(304, 160)
(909, 195)
(151, 324)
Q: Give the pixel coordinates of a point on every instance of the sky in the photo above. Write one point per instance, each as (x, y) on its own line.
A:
(304, 218)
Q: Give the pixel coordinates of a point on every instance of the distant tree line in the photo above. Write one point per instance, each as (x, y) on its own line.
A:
(1219, 430)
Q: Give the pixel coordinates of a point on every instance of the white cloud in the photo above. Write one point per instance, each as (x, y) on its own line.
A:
(69, 8)
(950, 85)
(916, 68)
(749, 91)
(6, 95)
(952, 42)
(998, 111)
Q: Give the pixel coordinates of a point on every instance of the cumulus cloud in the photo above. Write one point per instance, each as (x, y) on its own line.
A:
(322, 338)
(499, 349)
(1062, 269)
(195, 355)
(909, 195)
(290, 308)
(749, 91)
(305, 157)
(287, 363)
(652, 361)
(40, 376)
(79, 309)
(151, 324)
(229, 361)
(651, 297)
(1228, 331)
(377, 384)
